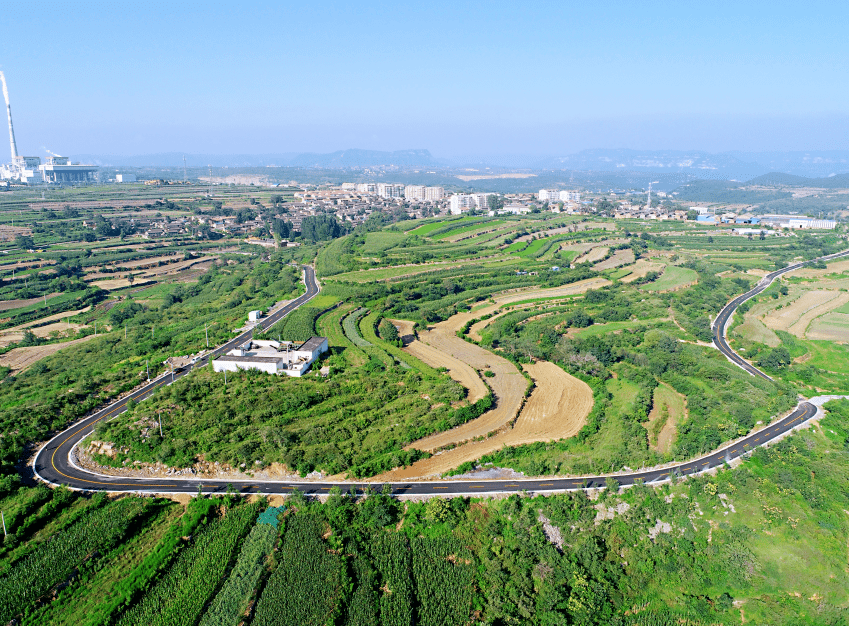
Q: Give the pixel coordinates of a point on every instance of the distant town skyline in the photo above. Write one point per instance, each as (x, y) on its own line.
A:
(456, 78)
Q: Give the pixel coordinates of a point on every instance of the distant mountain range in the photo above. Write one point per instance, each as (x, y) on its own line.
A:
(740, 166)
(722, 166)
(340, 159)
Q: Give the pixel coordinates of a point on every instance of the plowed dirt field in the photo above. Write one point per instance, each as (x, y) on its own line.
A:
(558, 408)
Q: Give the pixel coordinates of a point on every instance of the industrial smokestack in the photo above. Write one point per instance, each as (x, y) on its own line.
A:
(9, 114)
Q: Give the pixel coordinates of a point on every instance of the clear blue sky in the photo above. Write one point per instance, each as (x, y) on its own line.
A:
(459, 78)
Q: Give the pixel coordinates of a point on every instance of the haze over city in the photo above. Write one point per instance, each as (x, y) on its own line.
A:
(464, 80)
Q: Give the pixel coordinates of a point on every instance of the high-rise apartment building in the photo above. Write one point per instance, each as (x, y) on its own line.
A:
(463, 202)
(555, 195)
(390, 190)
(420, 192)
(414, 192)
(434, 193)
(366, 188)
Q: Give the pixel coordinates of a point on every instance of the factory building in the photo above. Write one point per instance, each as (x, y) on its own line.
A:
(29, 170)
(60, 170)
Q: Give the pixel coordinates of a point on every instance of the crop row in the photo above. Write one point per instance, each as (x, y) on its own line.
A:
(54, 561)
(304, 589)
(229, 604)
(443, 572)
(350, 326)
(391, 554)
(181, 594)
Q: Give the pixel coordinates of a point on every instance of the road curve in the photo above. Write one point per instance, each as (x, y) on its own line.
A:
(720, 324)
(53, 463)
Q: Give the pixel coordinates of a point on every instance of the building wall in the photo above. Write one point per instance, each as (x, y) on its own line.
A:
(434, 193)
(236, 366)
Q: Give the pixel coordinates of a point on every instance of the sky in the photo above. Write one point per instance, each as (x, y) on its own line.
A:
(458, 78)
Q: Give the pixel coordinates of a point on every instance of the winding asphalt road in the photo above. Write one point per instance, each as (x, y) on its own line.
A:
(53, 463)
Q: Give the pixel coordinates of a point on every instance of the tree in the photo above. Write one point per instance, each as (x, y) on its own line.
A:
(24, 242)
(387, 330)
(495, 202)
(778, 358)
(320, 228)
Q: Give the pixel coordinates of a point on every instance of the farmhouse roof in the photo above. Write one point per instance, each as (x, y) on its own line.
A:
(312, 343)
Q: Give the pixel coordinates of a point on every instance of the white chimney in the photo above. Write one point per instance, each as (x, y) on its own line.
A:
(9, 115)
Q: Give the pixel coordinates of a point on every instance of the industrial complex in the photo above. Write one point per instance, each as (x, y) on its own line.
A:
(29, 170)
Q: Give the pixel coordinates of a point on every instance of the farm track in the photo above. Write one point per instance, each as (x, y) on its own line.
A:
(53, 462)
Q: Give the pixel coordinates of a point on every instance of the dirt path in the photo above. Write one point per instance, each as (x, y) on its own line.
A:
(18, 359)
(558, 408)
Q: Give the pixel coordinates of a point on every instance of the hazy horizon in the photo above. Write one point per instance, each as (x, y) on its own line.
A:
(488, 80)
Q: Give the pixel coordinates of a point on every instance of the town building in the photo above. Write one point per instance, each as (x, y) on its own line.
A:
(459, 203)
(390, 190)
(559, 195)
(273, 357)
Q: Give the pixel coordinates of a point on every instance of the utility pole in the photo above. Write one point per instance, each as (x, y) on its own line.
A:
(206, 330)
(225, 378)
(95, 328)
(147, 365)
(172, 372)
(125, 331)
(160, 425)
(4, 523)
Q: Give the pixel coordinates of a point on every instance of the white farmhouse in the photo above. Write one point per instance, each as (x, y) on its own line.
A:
(272, 357)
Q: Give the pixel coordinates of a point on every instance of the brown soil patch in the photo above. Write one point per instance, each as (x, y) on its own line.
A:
(838, 267)
(462, 372)
(641, 268)
(594, 255)
(49, 318)
(508, 384)
(796, 317)
(558, 408)
(671, 407)
(61, 329)
(8, 233)
(477, 327)
(566, 290)
(620, 257)
(18, 359)
(6, 305)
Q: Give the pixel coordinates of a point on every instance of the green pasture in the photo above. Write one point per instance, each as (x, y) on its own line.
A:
(672, 278)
